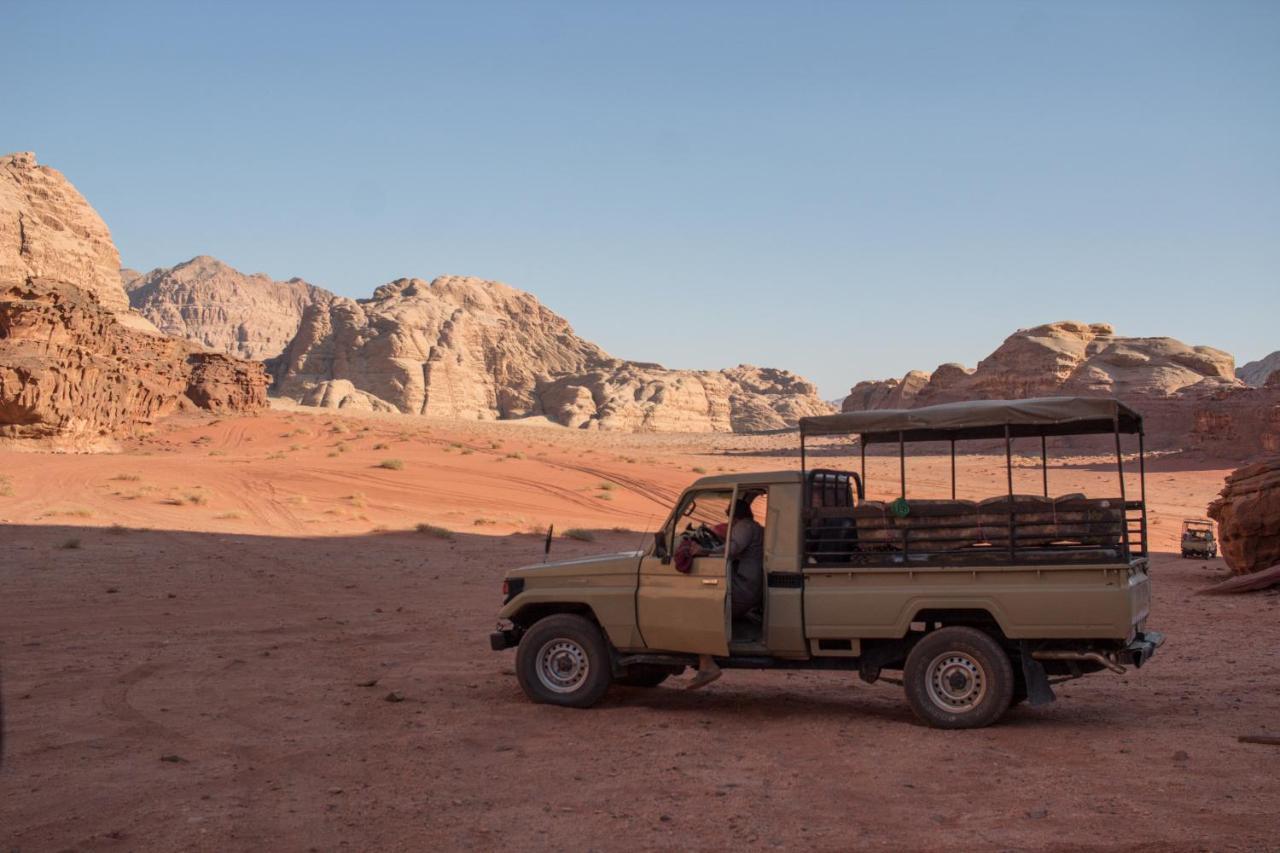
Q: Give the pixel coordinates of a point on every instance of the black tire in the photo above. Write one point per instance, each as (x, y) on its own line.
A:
(564, 660)
(974, 679)
(644, 675)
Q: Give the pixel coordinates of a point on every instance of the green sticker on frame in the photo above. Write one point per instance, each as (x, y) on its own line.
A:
(900, 508)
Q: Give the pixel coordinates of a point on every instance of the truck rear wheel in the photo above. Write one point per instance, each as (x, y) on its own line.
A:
(958, 678)
(563, 660)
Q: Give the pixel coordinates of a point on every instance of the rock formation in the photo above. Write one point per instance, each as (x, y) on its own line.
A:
(1261, 373)
(1189, 395)
(1065, 358)
(75, 364)
(1248, 515)
(49, 231)
(209, 302)
(69, 370)
(468, 348)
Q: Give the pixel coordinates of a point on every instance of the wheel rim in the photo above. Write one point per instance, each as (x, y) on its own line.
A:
(956, 682)
(562, 665)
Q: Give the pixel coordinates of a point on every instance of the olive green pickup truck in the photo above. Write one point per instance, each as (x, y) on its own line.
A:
(971, 605)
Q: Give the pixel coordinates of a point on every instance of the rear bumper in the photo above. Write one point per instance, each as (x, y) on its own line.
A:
(1142, 648)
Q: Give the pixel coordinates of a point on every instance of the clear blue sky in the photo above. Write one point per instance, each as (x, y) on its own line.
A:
(846, 190)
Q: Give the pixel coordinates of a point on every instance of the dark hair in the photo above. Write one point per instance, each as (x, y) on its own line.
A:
(742, 509)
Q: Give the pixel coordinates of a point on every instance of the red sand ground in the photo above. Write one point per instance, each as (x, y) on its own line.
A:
(263, 569)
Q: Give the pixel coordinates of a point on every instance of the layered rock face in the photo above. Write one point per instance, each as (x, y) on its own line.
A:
(1248, 516)
(70, 370)
(468, 348)
(76, 365)
(207, 301)
(1261, 373)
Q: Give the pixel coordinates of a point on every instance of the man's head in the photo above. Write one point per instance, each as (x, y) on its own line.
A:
(742, 509)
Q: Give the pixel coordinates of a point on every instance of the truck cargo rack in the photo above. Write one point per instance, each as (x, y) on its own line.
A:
(841, 528)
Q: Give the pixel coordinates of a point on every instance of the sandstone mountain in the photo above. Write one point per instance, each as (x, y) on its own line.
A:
(76, 365)
(1189, 394)
(207, 301)
(1260, 373)
(469, 348)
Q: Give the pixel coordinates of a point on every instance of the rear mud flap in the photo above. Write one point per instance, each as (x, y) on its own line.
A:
(1033, 675)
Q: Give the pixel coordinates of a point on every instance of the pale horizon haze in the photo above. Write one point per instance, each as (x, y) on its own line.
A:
(849, 191)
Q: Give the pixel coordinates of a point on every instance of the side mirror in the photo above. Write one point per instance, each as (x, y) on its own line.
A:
(660, 545)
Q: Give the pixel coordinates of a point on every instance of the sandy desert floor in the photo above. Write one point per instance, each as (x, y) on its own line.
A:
(200, 634)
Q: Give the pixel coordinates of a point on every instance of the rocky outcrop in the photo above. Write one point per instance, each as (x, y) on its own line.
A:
(207, 301)
(1189, 395)
(1248, 515)
(1261, 373)
(48, 231)
(468, 348)
(1065, 358)
(70, 371)
(76, 365)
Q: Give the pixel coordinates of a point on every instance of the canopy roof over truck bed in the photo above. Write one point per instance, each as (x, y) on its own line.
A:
(1039, 416)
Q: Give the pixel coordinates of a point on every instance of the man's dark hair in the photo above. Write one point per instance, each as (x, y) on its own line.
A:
(742, 509)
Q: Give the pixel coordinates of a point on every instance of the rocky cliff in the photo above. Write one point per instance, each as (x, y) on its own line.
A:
(76, 365)
(207, 301)
(1189, 395)
(1261, 372)
(469, 348)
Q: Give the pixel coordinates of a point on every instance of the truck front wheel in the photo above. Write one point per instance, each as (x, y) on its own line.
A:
(563, 660)
(958, 678)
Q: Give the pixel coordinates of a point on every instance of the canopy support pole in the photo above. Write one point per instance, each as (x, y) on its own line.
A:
(1142, 488)
(1124, 505)
(902, 462)
(1008, 467)
(953, 469)
(1044, 463)
(862, 445)
(802, 455)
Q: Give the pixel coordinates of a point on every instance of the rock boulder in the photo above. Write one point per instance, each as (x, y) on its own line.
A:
(1248, 515)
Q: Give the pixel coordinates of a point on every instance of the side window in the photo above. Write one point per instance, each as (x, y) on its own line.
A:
(708, 507)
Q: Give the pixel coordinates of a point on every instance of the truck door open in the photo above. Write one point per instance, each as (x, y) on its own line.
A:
(680, 612)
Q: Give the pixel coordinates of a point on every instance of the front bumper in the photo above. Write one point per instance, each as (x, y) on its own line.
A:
(504, 638)
(1141, 649)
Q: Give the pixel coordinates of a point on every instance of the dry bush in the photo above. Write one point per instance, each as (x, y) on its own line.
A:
(391, 464)
(579, 534)
(435, 531)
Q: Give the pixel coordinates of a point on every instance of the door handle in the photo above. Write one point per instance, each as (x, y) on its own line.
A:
(711, 581)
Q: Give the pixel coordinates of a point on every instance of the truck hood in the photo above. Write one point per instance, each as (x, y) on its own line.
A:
(623, 562)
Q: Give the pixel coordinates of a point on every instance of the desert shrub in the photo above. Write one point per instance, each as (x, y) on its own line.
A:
(435, 531)
(391, 464)
(698, 469)
(382, 445)
(604, 496)
(127, 478)
(579, 534)
(6, 487)
(228, 516)
(606, 486)
(117, 529)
